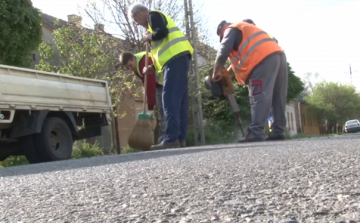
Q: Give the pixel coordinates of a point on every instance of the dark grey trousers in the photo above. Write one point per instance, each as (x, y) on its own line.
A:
(268, 85)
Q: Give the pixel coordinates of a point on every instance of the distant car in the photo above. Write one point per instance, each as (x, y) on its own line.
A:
(352, 126)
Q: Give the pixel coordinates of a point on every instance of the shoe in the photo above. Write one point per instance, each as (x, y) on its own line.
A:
(161, 138)
(274, 137)
(182, 144)
(244, 140)
(249, 138)
(166, 145)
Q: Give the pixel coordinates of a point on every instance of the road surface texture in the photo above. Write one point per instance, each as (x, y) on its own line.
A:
(314, 180)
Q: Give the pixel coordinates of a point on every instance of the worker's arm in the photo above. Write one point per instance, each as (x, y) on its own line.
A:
(232, 39)
(158, 24)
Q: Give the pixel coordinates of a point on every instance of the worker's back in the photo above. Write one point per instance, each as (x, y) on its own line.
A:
(252, 22)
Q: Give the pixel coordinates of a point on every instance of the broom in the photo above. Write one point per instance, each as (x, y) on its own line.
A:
(142, 135)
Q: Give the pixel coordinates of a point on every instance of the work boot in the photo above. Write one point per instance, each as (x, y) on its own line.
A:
(166, 145)
(251, 138)
(182, 144)
(274, 137)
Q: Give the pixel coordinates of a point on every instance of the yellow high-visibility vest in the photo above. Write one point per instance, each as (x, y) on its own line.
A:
(138, 57)
(165, 49)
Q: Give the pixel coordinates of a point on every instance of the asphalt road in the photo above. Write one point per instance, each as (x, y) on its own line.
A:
(314, 180)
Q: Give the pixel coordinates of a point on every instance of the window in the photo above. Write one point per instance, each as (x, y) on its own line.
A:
(292, 122)
(34, 57)
(288, 121)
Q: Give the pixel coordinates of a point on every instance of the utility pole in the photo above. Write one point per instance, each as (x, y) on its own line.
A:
(195, 95)
(350, 73)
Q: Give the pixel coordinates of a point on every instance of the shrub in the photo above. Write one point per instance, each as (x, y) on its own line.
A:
(81, 150)
(14, 161)
(128, 149)
(215, 133)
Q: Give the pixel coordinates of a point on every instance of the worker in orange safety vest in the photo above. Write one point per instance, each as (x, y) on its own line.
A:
(257, 60)
(270, 119)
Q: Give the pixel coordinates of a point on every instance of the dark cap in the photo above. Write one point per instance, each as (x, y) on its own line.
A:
(249, 21)
(219, 28)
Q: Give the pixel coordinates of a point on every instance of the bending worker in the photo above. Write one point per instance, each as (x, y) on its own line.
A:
(172, 54)
(256, 60)
(136, 63)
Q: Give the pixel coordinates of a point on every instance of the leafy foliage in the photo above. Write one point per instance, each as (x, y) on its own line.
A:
(87, 53)
(14, 161)
(334, 102)
(20, 31)
(128, 149)
(295, 85)
(216, 134)
(83, 150)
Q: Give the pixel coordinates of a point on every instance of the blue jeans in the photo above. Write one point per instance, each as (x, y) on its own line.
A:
(175, 97)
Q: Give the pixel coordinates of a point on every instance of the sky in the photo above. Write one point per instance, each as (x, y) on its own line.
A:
(317, 35)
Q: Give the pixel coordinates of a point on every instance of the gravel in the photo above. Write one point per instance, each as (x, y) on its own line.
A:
(288, 182)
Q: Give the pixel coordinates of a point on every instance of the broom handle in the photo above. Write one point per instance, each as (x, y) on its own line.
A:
(146, 78)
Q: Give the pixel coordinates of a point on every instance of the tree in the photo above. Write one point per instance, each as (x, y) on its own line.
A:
(114, 14)
(82, 52)
(20, 31)
(295, 85)
(334, 102)
(309, 82)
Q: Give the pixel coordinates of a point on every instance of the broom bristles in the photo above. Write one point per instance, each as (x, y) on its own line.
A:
(142, 135)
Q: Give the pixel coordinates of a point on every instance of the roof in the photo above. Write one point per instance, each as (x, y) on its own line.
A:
(50, 20)
(301, 96)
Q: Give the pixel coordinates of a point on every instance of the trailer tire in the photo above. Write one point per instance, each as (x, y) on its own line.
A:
(55, 140)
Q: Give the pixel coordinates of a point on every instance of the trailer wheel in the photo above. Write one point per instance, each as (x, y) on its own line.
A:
(55, 141)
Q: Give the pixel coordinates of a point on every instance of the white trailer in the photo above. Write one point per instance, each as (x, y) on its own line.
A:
(41, 113)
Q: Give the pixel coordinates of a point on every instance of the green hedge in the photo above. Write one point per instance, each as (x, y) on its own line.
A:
(83, 150)
(80, 150)
(216, 133)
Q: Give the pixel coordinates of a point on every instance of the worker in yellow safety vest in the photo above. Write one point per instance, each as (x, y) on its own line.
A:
(172, 55)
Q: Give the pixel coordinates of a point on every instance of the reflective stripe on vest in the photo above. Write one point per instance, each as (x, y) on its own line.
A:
(255, 46)
(175, 43)
(250, 50)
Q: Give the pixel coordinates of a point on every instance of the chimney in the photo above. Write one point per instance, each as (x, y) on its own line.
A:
(75, 19)
(99, 27)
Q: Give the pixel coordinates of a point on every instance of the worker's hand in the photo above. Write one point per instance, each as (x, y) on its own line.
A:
(147, 37)
(217, 76)
(148, 70)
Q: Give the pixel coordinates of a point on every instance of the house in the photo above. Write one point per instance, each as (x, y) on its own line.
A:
(127, 109)
(290, 114)
(306, 123)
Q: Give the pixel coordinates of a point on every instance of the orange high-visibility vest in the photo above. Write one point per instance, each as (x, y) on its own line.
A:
(254, 47)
